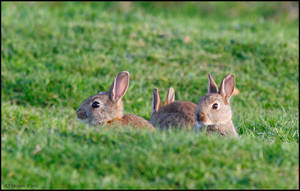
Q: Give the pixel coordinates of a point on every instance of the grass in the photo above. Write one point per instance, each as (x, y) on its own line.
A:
(54, 55)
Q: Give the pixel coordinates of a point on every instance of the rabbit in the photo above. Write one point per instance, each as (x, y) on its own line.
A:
(174, 113)
(213, 109)
(106, 108)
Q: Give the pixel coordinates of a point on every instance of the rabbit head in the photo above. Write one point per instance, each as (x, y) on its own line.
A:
(214, 107)
(105, 106)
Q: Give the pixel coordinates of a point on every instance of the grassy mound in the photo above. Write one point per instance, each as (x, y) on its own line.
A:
(54, 55)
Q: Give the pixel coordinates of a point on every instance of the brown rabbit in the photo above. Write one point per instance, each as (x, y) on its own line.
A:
(107, 107)
(213, 109)
(173, 113)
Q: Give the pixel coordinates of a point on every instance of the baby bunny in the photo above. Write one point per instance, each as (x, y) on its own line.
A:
(173, 113)
(107, 107)
(213, 109)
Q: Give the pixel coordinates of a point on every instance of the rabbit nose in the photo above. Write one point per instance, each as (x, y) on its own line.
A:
(81, 114)
(200, 116)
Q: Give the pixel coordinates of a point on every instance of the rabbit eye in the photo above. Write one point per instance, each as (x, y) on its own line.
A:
(95, 104)
(215, 106)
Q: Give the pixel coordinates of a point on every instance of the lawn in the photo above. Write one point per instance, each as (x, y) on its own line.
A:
(55, 55)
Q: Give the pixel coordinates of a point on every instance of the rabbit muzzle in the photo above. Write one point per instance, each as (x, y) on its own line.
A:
(201, 117)
(81, 114)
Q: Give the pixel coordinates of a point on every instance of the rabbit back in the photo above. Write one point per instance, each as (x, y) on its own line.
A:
(176, 114)
(136, 121)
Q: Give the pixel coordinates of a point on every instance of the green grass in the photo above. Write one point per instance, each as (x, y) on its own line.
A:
(54, 55)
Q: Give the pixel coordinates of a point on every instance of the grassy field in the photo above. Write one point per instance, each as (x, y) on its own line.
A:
(54, 55)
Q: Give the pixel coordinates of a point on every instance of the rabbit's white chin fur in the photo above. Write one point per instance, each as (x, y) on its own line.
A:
(83, 121)
(86, 121)
(201, 125)
(206, 123)
(95, 123)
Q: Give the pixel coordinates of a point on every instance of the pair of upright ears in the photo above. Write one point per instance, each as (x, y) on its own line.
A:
(156, 103)
(227, 87)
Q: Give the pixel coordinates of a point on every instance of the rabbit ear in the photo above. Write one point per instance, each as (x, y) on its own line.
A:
(156, 103)
(170, 96)
(227, 87)
(212, 86)
(119, 87)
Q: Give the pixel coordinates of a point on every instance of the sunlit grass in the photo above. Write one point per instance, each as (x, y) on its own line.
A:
(54, 55)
